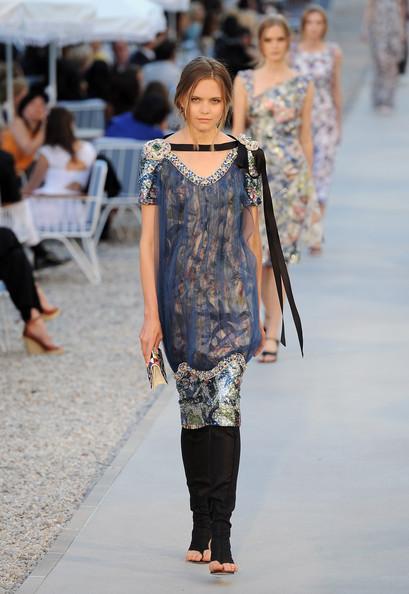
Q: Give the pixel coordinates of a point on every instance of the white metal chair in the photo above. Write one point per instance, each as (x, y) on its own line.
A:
(88, 114)
(76, 222)
(3, 314)
(125, 156)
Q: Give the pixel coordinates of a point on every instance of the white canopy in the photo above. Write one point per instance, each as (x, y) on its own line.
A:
(174, 5)
(40, 22)
(135, 21)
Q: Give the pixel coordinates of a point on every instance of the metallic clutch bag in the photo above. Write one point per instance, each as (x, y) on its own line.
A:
(156, 369)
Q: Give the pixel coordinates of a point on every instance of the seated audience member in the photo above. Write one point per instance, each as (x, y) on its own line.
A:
(25, 134)
(17, 275)
(124, 92)
(147, 121)
(63, 169)
(144, 54)
(64, 163)
(232, 47)
(10, 194)
(98, 79)
(120, 51)
(164, 68)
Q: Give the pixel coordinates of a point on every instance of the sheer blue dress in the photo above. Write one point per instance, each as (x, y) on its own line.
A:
(206, 277)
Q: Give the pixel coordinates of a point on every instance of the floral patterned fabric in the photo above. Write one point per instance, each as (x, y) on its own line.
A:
(319, 67)
(387, 48)
(275, 119)
(206, 279)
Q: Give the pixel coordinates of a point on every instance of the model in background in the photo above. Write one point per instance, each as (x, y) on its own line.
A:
(275, 103)
(385, 26)
(320, 61)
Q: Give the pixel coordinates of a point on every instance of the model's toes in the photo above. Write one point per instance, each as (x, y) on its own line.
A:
(206, 555)
(229, 567)
(215, 567)
(193, 556)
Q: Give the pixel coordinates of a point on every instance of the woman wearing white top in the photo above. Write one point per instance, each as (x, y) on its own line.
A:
(62, 169)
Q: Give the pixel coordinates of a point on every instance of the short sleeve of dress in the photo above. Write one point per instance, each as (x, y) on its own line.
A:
(152, 155)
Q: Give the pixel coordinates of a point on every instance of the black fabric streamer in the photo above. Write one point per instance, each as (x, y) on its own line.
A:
(274, 244)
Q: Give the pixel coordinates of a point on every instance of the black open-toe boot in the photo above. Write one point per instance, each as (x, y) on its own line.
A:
(224, 468)
(195, 454)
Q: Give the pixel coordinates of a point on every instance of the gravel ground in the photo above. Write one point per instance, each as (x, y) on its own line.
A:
(62, 419)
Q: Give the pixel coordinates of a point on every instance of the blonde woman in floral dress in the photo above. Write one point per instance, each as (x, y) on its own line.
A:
(321, 62)
(275, 103)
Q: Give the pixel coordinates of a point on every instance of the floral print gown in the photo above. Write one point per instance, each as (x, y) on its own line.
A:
(206, 278)
(275, 119)
(387, 48)
(319, 67)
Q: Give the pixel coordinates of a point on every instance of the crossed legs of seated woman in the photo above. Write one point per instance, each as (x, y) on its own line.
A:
(17, 275)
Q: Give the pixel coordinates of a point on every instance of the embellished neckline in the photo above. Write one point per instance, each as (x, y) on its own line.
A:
(199, 179)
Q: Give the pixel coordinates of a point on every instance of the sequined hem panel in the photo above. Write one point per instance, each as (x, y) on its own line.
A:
(197, 179)
(211, 397)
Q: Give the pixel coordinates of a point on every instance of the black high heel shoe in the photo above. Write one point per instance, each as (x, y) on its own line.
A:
(221, 553)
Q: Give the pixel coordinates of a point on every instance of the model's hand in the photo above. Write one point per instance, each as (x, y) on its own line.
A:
(150, 336)
(262, 341)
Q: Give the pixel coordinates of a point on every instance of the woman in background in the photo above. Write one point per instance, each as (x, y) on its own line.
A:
(25, 135)
(64, 163)
(275, 101)
(63, 169)
(321, 61)
(385, 25)
(17, 276)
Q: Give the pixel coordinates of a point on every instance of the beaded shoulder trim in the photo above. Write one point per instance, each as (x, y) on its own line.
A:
(157, 149)
(249, 143)
(185, 369)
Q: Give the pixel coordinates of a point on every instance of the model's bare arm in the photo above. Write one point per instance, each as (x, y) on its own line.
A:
(25, 142)
(239, 107)
(37, 177)
(305, 129)
(151, 331)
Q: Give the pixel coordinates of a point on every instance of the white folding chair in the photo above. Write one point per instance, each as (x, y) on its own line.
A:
(89, 114)
(76, 222)
(125, 156)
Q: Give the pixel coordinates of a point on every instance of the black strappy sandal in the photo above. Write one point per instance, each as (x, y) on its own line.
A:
(272, 354)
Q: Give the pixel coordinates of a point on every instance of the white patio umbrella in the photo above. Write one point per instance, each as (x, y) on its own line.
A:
(41, 22)
(135, 21)
(174, 5)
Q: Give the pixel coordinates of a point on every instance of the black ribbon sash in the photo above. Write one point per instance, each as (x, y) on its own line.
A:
(276, 254)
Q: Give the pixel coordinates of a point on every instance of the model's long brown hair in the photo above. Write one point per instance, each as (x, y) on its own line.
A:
(311, 10)
(274, 21)
(199, 69)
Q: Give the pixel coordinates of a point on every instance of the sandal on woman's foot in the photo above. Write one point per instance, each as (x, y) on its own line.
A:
(315, 250)
(199, 549)
(221, 562)
(267, 356)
